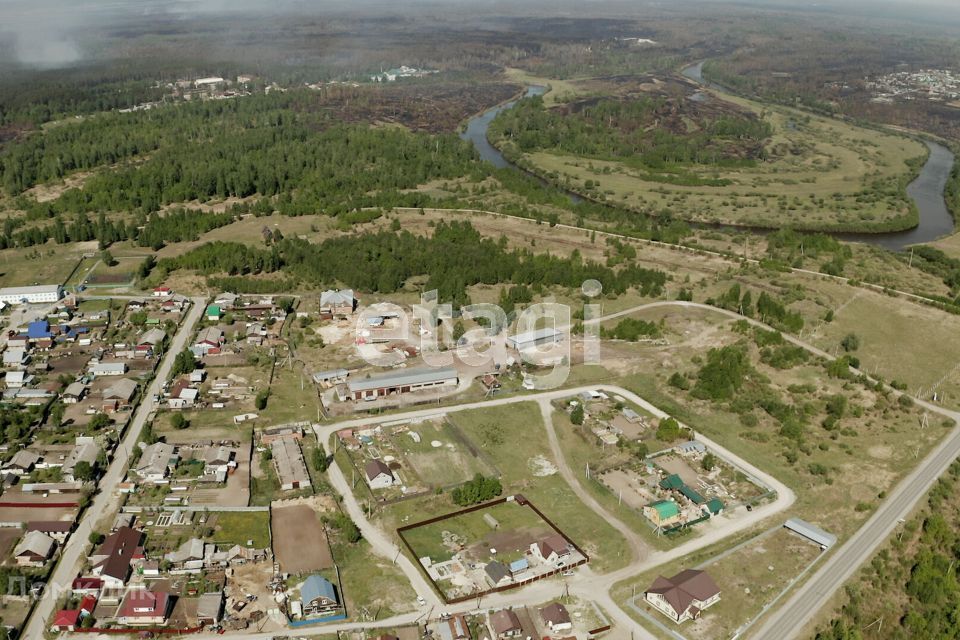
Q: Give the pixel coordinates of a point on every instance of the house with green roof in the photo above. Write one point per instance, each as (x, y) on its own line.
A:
(672, 482)
(715, 506)
(662, 513)
(214, 312)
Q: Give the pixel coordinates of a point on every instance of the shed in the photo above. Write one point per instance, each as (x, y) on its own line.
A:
(811, 532)
(672, 482)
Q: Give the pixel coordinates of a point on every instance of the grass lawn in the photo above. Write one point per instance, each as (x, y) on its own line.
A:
(239, 527)
(288, 402)
(203, 424)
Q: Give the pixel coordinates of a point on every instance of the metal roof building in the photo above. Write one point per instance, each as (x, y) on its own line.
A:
(31, 295)
(811, 532)
(401, 382)
(530, 339)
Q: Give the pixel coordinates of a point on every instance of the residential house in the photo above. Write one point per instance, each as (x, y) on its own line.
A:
(662, 513)
(209, 342)
(56, 529)
(65, 620)
(255, 333)
(85, 451)
(454, 628)
(157, 461)
(74, 393)
(556, 617)
(214, 312)
(218, 460)
(34, 549)
(112, 561)
(337, 303)
(22, 462)
(17, 379)
(379, 475)
(684, 596)
(553, 549)
(15, 357)
(497, 574)
(185, 398)
(319, 597)
(162, 292)
(119, 395)
(141, 607)
(86, 586)
(505, 624)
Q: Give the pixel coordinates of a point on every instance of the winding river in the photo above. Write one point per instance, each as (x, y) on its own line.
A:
(926, 190)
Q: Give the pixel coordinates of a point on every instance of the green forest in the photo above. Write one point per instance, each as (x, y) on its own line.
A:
(628, 131)
(454, 257)
(920, 566)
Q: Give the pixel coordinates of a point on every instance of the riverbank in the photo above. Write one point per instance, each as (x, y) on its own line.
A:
(923, 215)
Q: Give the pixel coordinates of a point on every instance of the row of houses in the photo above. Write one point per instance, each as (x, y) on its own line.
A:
(85, 451)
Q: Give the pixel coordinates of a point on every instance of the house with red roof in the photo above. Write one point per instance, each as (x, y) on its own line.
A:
(141, 607)
(65, 620)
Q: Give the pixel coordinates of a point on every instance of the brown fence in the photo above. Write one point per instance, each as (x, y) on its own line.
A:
(139, 630)
(40, 505)
(521, 501)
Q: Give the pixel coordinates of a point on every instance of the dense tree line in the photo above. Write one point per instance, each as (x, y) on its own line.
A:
(632, 329)
(453, 258)
(613, 129)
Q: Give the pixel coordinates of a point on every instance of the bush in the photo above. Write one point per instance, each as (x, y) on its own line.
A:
(96, 538)
(475, 491)
(679, 381)
(668, 430)
(850, 342)
(177, 421)
(260, 402)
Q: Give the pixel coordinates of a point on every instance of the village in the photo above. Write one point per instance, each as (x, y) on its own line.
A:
(939, 85)
(226, 520)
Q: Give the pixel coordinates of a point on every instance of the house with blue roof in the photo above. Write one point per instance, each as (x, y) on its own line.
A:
(38, 330)
(318, 596)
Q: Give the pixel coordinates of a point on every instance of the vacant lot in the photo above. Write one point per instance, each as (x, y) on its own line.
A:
(440, 458)
(241, 527)
(8, 538)
(518, 527)
(300, 540)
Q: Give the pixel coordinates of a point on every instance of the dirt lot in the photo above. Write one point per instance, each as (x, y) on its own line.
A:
(676, 464)
(300, 540)
(8, 538)
(629, 486)
(27, 514)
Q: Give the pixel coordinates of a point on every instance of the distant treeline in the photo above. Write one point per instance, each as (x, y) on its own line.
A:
(454, 257)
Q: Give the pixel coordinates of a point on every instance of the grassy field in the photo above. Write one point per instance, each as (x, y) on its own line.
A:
(441, 466)
(240, 527)
(558, 90)
(819, 173)
(838, 475)
(45, 264)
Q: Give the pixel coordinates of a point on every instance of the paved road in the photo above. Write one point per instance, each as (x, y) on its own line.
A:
(74, 552)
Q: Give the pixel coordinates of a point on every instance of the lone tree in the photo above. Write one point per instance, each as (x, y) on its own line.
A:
(576, 416)
(177, 421)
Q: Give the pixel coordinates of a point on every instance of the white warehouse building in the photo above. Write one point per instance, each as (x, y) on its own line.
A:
(31, 295)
